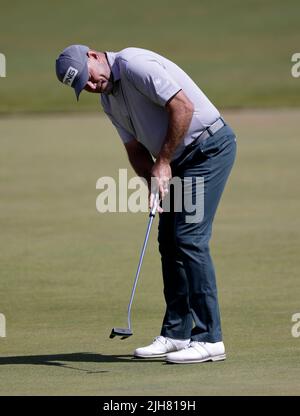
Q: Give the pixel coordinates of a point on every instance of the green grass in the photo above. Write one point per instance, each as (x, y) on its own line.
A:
(67, 271)
(238, 52)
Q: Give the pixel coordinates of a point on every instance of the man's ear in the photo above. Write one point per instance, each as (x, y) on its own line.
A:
(92, 54)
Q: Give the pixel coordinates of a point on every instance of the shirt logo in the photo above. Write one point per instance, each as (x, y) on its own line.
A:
(70, 75)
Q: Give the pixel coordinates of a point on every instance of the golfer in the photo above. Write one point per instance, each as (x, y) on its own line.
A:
(169, 129)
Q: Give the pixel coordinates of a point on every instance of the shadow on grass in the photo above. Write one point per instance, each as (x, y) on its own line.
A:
(79, 357)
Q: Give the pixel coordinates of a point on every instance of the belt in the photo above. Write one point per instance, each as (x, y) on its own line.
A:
(209, 131)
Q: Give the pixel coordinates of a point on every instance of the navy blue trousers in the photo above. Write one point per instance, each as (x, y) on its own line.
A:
(190, 290)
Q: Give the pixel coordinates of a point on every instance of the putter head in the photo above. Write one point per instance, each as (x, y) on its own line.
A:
(121, 332)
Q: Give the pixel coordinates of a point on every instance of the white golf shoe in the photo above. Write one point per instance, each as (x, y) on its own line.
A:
(198, 352)
(160, 347)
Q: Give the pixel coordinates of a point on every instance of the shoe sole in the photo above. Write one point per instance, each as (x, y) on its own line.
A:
(220, 357)
(150, 356)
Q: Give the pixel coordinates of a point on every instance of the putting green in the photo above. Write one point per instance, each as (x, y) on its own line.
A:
(67, 271)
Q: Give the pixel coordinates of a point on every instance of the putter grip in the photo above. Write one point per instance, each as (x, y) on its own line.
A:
(155, 205)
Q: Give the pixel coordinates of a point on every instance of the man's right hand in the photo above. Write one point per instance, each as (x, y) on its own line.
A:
(160, 176)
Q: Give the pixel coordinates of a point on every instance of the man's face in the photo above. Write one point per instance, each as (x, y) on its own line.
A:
(99, 74)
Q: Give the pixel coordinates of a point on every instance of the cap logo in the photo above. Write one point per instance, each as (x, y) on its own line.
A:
(70, 75)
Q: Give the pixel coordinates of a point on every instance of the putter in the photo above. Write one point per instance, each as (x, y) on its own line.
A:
(127, 332)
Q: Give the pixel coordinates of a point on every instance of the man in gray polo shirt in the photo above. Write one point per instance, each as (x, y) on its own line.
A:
(169, 128)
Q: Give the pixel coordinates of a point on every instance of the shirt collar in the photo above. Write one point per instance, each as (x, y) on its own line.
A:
(113, 63)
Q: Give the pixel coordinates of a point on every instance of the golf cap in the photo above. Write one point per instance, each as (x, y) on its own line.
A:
(71, 67)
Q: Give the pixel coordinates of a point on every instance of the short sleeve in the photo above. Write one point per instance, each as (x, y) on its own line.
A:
(123, 133)
(151, 79)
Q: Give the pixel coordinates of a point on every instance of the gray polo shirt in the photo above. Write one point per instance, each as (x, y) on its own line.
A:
(143, 83)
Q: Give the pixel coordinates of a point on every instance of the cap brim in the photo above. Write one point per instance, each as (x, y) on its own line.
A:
(82, 81)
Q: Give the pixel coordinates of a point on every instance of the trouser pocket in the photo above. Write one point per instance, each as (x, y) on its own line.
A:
(215, 144)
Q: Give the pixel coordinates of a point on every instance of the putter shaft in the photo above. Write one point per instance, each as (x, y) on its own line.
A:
(126, 332)
(151, 217)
